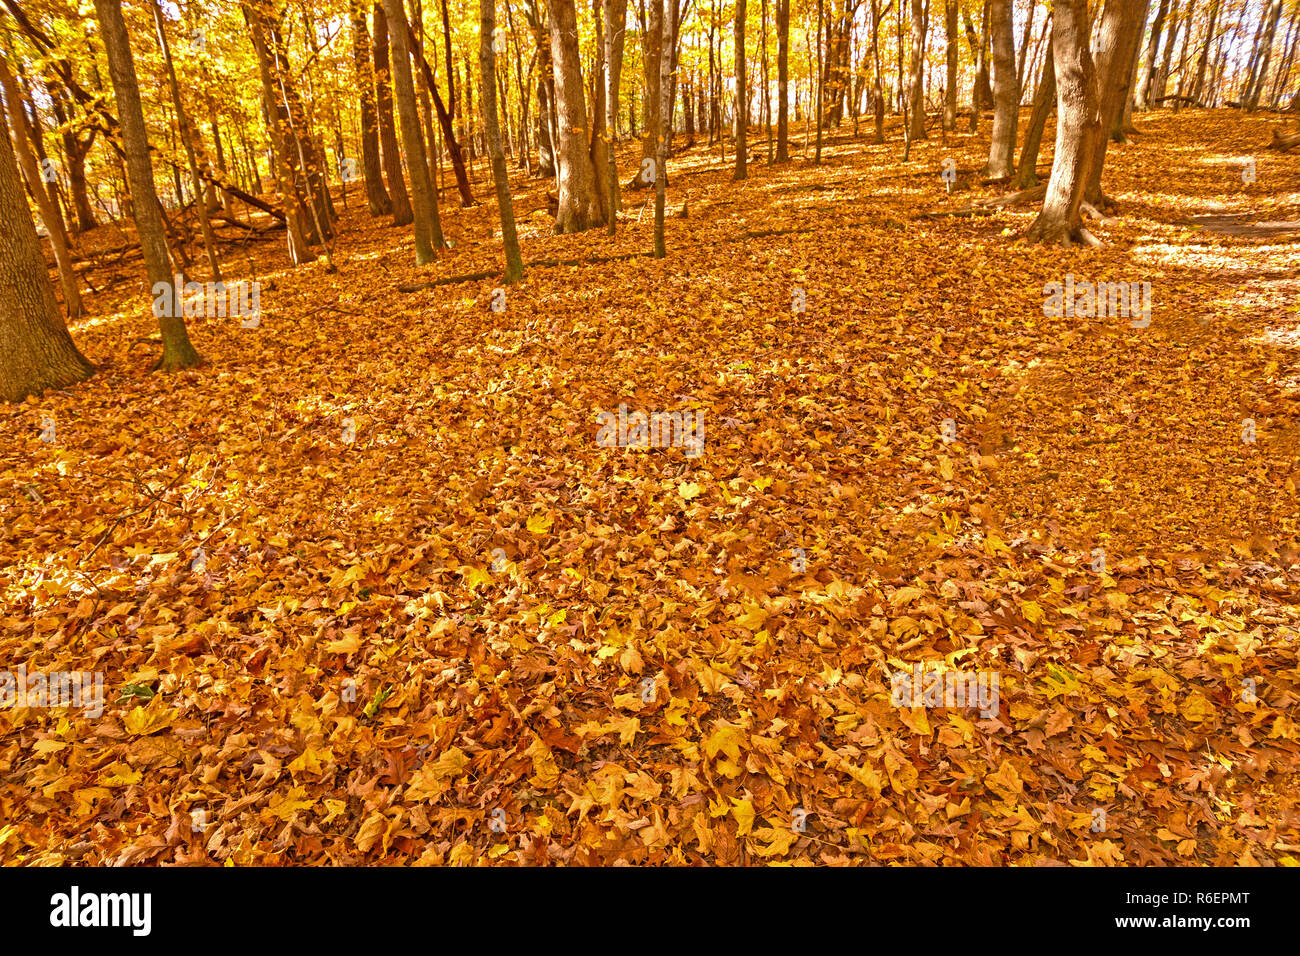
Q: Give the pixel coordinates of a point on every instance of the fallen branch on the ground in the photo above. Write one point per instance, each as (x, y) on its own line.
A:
(535, 264)
(1284, 141)
(986, 207)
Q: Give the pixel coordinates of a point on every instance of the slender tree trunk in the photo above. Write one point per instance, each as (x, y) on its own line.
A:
(289, 179)
(742, 95)
(651, 52)
(1006, 95)
(1023, 53)
(917, 106)
(950, 85)
(878, 89)
(177, 352)
(615, 13)
(661, 167)
(1156, 90)
(1203, 60)
(492, 133)
(783, 81)
(820, 112)
(376, 195)
(1250, 101)
(188, 134)
(1044, 100)
(427, 228)
(1076, 125)
(1288, 57)
(767, 90)
(403, 215)
(1153, 48)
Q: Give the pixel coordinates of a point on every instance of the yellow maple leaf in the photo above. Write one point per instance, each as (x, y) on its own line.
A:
(743, 811)
(150, 718)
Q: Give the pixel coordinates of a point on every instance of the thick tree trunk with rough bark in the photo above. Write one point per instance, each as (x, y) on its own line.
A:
(401, 200)
(37, 351)
(1006, 94)
(427, 228)
(1076, 126)
(579, 201)
(178, 352)
(492, 133)
(44, 202)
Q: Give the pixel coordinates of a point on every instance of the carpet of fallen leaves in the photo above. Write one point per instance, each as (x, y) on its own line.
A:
(472, 619)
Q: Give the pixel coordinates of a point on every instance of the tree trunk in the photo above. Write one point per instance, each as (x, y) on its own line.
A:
(376, 196)
(424, 204)
(651, 52)
(188, 134)
(1250, 101)
(1153, 48)
(615, 13)
(1006, 95)
(917, 105)
(289, 179)
(819, 107)
(1198, 86)
(783, 81)
(1288, 56)
(742, 95)
(38, 351)
(49, 212)
(1156, 90)
(1076, 125)
(767, 90)
(492, 133)
(1119, 33)
(950, 84)
(1044, 99)
(1123, 125)
(177, 352)
(877, 90)
(661, 168)
(579, 202)
(403, 215)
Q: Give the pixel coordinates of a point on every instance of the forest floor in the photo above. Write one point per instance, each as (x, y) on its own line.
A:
(470, 634)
